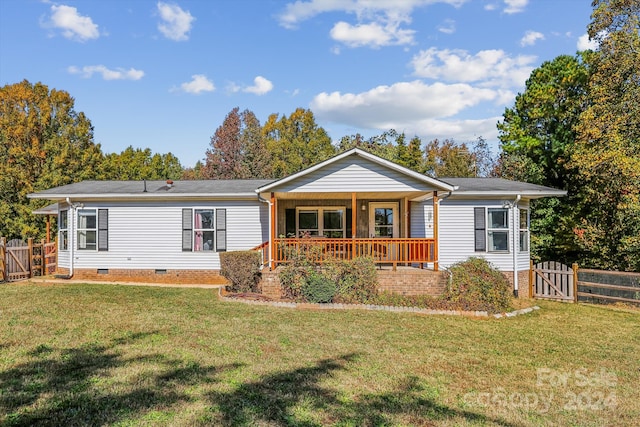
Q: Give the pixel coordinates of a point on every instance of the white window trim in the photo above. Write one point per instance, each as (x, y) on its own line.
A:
(195, 230)
(62, 231)
(490, 230)
(525, 231)
(85, 229)
(320, 210)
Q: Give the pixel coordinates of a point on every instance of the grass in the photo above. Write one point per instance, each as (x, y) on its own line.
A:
(129, 356)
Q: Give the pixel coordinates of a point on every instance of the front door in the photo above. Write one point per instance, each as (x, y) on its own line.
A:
(383, 220)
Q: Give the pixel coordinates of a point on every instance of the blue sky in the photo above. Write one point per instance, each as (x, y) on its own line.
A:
(163, 74)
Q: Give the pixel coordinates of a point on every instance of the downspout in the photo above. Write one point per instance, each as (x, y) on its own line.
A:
(514, 205)
(436, 228)
(71, 241)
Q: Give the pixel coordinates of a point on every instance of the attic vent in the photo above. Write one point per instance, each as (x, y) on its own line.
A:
(169, 183)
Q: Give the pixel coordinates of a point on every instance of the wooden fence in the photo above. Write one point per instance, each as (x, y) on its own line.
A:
(608, 286)
(553, 280)
(21, 260)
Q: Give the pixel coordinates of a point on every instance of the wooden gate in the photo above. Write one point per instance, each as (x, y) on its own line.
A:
(553, 280)
(17, 260)
(20, 260)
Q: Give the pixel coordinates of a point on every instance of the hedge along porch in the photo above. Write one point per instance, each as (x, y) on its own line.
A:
(354, 204)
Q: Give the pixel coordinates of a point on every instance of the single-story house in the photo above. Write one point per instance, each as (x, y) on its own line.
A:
(352, 204)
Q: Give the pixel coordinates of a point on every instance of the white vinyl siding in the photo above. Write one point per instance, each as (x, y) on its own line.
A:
(457, 234)
(360, 175)
(148, 235)
(422, 219)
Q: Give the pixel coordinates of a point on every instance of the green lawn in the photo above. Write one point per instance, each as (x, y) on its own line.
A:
(118, 355)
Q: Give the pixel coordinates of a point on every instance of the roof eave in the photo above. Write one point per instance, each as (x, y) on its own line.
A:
(120, 196)
(526, 194)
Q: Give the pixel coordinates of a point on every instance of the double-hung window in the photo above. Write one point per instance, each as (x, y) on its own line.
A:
(321, 222)
(204, 230)
(87, 229)
(498, 229)
(63, 230)
(524, 230)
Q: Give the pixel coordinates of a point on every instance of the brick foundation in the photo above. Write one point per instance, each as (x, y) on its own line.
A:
(409, 281)
(412, 281)
(203, 277)
(523, 282)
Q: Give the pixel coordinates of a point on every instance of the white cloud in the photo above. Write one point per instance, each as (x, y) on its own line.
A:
(490, 6)
(199, 83)
(413, 107)
(374, 34)
(379, 22)
(176, 23)
(585, 44)
(107, 74)
(383, 106)
(73, 25)
(260, 87)
(488, 67)
(515, 6)
(448, 26)
(530, 38)
(300, 10)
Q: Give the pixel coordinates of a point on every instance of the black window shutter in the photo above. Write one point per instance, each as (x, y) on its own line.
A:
(187, 229)
(103, 229)
(480, 229)
(221, 230)
(290, 222)
(348, 223)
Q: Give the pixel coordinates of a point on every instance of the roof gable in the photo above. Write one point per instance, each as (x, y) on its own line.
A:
(356, 170)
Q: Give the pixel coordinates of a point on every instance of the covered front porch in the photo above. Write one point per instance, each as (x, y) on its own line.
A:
(346, 226)
(355, 204)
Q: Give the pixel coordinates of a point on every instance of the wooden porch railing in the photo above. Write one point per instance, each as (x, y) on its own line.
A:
(383, 251)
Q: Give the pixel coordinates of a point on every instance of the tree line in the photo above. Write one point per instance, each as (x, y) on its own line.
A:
(576, 126)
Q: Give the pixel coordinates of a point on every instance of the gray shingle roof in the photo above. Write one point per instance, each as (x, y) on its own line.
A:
(129, 188)
(500, 186)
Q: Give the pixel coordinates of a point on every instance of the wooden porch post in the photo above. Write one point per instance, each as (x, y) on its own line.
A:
(435, 230)
(48, 228)
(354, 224)
(272, 229)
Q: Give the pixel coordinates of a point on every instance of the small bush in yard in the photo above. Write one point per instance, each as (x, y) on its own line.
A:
(318, 288)
(476, 285)
(356, 279)
(242, 268)
(295, 274)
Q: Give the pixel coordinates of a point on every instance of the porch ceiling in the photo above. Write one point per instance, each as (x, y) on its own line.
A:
(347, 195)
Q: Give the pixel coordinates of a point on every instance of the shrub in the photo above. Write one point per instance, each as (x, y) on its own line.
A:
(242, 268)
(351, 281)
(356, 279)
(318, 288)
(296, 273)
(476, 285)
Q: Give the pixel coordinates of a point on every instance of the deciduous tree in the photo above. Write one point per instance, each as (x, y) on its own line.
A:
(138, 164)
(44, 143)
(607, 151)
(295, 142)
